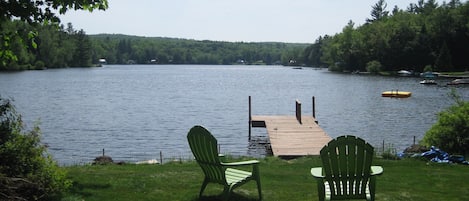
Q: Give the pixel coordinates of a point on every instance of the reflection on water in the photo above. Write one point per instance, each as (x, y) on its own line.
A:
(134, 112)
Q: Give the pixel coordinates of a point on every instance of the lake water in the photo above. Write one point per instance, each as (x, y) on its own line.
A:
(135, 112)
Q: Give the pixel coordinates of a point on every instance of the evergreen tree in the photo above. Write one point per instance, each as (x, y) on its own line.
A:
(82, 55)
(378, 11)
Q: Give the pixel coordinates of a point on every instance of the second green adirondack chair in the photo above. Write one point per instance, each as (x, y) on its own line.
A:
(205, 149)
(347, 172)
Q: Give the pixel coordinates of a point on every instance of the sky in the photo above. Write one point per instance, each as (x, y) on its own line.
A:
(291, 21)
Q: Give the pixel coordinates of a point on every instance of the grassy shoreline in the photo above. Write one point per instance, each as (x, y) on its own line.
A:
(407, 179)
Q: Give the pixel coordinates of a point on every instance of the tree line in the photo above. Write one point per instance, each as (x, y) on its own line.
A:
(425, 36)
(123, 49)
(40, 46)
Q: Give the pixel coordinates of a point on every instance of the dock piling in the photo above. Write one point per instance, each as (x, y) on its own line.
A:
(314, 107)
(250, 118)
(298, 110)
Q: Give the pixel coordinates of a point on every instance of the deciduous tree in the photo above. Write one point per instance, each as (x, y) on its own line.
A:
(38, 11)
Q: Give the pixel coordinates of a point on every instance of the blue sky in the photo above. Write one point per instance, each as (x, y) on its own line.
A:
(298, 21)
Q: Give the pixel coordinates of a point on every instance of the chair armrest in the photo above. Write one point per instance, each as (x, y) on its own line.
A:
(221, 157)
(250, 162)
(376, 170)
(317, 172)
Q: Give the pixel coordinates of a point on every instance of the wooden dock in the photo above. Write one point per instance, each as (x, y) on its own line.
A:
(292, 136)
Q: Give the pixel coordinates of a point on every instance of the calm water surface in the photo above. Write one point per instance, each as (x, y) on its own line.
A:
(136, 112)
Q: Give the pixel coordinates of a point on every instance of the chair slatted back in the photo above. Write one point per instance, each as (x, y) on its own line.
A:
(347, 165)
(204, 147)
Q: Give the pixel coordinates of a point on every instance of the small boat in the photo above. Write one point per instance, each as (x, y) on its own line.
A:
(404, 73)
(459, 81)
(428, 82)
(429, 74)
(396, 94)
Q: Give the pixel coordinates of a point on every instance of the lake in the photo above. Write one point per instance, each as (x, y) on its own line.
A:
(136, 112)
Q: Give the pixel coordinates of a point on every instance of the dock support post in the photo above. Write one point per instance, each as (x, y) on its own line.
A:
(298, 111)
(250, 118)
(314, 107)
(161, 157)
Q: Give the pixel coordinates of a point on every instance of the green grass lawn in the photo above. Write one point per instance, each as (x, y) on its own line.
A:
(407, 180)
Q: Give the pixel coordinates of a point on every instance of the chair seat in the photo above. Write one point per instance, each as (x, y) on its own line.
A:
(347, 192)
(234, 176)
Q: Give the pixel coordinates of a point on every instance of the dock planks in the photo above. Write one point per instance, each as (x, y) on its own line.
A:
(289, 138)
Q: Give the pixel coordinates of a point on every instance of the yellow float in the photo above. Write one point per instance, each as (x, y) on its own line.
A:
(396, 94)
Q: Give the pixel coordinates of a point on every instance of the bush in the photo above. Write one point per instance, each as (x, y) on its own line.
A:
(428, 68)
(27, 171)
(374, 67)
(451, 131)
(39, 65)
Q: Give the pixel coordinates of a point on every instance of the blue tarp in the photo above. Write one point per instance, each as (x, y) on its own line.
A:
(439, 156)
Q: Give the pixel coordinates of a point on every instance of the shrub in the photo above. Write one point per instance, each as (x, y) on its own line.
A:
(27, 171)
(451, 131)
(374, 67)
(39, 65)
(428, 68)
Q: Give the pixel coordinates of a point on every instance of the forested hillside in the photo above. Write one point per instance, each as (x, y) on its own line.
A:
(425, 35)
(122, 49)
(52, 46)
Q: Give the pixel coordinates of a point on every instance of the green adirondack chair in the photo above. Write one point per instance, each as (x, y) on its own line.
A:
(347, 172)
(204, 147)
